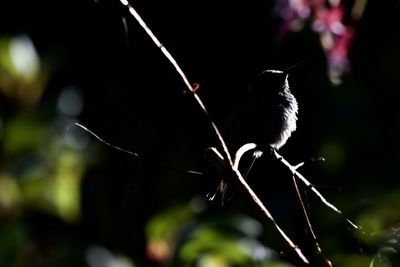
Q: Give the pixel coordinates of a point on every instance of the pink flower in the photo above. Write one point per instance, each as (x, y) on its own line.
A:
(293, 14)
(337, 55)
(327, 20)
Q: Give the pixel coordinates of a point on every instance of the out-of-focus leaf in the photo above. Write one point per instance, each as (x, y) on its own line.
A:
(233, 248)
(208, 241)
(166, 224)
(179, 236)
(10, 194)
(102, 257)
(13, 243)
(56, 190)
(23, 133)
(351, 261)
(48, 170)
(162, 230)
(23, 76)
(379, 218)
(380, 261)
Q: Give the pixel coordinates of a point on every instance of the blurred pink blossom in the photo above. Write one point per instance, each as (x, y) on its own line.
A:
(327, 19)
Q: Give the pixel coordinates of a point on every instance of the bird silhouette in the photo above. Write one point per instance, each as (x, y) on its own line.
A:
(267, 117)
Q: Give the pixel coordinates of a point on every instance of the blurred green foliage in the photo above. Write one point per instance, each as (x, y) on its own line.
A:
(24, 76)
(181, 236)
(66, 202)
(41, 170)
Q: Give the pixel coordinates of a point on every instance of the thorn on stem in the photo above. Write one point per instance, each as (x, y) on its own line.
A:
(195, 86)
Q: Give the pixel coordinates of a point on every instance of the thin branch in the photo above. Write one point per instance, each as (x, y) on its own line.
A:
(306, 216)
(226, 157)
(128, 151)
(104, 141)
(238, 178)
(269, 215)
(251, 146)
(241, 151)
(312, 187)
(179, 70)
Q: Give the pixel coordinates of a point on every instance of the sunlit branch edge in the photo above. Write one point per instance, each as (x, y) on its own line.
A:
(235, 174)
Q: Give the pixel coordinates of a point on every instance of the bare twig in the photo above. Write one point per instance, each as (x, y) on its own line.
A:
(241, 151)
(251, 146)
(233, 172)
(307, 218)
(269, 215)
(178, 69)
(312, 187)
(104, 141)
(129, 151)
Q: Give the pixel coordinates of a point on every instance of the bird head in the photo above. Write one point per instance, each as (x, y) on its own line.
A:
(269, 81)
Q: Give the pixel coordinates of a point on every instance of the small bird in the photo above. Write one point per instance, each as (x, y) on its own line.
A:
(269, 114)
(267, 117)
(272, 109)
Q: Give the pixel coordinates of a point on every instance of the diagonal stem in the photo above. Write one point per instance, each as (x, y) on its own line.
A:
(306, 216)
(238, 179)
(312, 187)
(226, 157)
(179, 70)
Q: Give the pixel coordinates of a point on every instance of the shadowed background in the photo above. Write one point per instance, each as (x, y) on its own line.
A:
(68, 200)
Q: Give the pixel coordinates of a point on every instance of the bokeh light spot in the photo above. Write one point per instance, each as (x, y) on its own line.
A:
(334, 154)
(70, 101)
(24, 56)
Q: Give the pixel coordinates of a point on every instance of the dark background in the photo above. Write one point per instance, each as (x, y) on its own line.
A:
(133, 98)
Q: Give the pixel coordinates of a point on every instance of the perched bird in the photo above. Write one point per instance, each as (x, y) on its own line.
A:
(266, 117)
